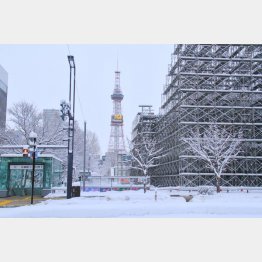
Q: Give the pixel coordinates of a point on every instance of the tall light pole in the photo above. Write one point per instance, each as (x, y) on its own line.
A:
(32, 142)
(71, 127)
(84, 176)
(66, 111)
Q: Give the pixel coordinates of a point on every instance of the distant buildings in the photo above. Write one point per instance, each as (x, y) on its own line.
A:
(3, 96)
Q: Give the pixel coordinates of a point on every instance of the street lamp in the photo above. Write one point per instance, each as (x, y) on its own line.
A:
(71, 128)
(32, 143)
(71, 61)
(66, 112)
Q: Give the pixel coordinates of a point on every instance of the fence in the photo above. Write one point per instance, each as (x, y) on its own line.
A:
(117, 183)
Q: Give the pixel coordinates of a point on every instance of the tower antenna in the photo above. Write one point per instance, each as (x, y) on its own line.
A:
(116, 142)
(117, 62)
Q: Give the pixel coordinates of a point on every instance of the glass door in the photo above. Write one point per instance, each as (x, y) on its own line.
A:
(20, 179)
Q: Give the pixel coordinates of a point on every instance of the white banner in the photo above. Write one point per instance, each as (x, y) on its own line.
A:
(26, 167)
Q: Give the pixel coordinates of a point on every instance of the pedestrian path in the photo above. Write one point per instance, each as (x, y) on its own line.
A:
(5, 202)
(16, 201)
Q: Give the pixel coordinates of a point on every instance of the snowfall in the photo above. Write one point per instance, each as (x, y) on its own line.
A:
(155, 203)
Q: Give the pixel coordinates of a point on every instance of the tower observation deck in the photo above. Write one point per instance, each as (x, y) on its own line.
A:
(116, 141)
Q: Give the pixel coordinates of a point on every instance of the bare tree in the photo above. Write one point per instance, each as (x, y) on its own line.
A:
(92, 146)
(216, 146)
(25, 118)
(9, 136)
(145, 153)
(53, 135)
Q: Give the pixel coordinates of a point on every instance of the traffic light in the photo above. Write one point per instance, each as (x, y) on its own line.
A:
(25, 152)
(64, 110)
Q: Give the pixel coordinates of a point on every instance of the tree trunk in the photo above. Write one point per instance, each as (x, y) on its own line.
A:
(145, 181)
(218, 184)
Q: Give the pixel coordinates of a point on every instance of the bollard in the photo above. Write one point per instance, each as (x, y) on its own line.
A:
(155, 195)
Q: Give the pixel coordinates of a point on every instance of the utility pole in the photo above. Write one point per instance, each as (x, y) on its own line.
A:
(84, 176)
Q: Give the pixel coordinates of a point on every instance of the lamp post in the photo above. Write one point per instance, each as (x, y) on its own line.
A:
(84, 176)
(32, 142)
(66, 111)
(71, 128)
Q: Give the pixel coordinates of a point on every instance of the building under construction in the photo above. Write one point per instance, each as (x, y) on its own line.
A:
(211, 84)
(143, 130)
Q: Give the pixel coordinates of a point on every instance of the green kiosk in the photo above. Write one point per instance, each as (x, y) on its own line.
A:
(16, 172)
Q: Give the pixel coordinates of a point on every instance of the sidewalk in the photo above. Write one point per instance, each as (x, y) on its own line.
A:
(17, 201)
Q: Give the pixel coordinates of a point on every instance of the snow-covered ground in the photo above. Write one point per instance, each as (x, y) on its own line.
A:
(137, 204)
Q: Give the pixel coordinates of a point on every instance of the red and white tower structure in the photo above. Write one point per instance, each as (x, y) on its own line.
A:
(116, 141)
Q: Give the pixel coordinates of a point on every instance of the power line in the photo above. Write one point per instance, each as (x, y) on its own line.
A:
(68, 48)
(81, 108)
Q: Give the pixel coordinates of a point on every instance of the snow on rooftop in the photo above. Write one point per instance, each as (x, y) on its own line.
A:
(40, 155)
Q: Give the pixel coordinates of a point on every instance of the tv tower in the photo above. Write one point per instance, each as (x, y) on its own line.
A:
(116, 141)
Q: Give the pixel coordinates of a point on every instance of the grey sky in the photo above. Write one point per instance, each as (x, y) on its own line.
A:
(40, 74)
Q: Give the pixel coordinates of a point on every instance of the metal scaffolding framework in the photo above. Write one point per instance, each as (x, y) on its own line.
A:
(143, 130)
(211, 84)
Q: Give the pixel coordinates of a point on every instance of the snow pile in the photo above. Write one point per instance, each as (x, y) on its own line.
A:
(206, 190)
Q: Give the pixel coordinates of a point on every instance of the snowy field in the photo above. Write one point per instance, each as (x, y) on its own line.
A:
(135, 204)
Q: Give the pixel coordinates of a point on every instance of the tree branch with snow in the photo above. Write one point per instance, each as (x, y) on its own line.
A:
(216, 146)
(145, 153)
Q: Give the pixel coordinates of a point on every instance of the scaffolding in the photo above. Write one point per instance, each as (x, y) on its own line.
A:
(143, 130)
(211, 84)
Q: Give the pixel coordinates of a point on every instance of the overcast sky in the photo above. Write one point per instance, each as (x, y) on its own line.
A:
(40, 74)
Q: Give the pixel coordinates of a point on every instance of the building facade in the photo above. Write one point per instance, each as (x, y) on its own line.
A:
(3, 96)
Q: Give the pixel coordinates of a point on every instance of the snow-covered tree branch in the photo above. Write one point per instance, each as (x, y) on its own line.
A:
(216, 146)
(25, 117)
(145, 153)
(92, 147)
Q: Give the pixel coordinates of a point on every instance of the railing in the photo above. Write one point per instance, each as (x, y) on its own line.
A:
(117, 183)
